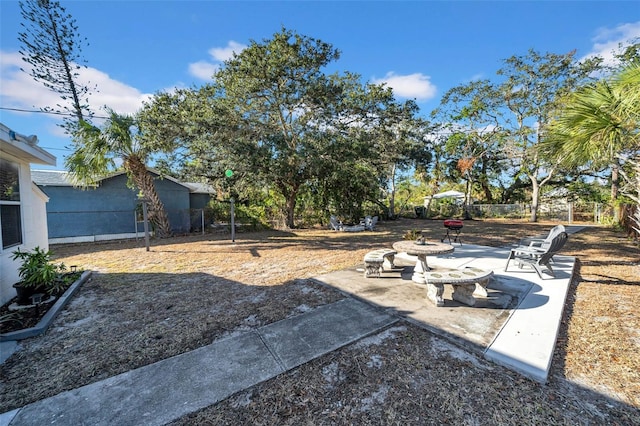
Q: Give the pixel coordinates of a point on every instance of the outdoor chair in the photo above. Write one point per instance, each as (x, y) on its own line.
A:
(542, 242)
(370, 222)
(337, 225)
(538, 258)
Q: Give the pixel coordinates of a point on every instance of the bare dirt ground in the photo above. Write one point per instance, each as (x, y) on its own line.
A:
(141, 307)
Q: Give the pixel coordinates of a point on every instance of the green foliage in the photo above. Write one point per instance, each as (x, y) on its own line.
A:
(532, 89)
(251, 215)
(344, 191)
(589, 129)
(37, 270)
(495, 127)
(292, 119)
(610, 220)
(93, 157)
(63, 281)
(587, 192)
(475, 147)
(217, 211)
(304, 144)
(274, 117)
(598, 125)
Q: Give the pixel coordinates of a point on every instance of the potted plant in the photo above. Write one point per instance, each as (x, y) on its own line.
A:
(37, 274)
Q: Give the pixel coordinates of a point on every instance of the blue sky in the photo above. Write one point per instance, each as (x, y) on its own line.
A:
(421, 48)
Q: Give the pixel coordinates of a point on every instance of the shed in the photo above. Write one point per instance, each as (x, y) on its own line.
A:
(200, 194)
(109, 210)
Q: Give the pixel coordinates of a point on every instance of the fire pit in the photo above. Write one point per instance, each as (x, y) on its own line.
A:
(452, 225)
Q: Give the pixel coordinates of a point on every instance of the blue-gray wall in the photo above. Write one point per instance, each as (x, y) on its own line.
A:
(109, 208)
(199, 201)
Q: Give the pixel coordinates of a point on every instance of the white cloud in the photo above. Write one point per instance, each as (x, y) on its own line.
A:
(221, 54)
(21, 91)
(608, 40)
(204, 70)
(112, 93)
(415, 85)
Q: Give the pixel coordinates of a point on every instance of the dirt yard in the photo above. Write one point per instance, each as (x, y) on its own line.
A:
(141, 307)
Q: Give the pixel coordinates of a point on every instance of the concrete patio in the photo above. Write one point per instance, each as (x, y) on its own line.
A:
(515, 325)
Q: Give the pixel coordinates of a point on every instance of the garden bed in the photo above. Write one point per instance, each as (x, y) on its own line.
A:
(21, 322)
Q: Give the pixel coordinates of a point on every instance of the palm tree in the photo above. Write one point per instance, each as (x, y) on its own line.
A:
(95, 154)
(628, 83)
(598, 125)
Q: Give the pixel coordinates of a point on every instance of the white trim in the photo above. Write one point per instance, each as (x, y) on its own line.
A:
(25, 147)
(21, 206)
(39, 192)
(94, 238)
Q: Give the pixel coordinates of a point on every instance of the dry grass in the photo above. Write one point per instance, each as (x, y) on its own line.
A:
(141, 307)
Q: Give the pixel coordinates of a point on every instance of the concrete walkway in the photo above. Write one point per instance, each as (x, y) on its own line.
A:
(515, 326)
(167, 390)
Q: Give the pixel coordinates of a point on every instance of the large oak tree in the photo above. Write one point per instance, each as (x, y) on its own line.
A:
(273, 116)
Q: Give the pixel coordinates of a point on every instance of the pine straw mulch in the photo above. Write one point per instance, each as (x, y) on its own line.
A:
(141, 307)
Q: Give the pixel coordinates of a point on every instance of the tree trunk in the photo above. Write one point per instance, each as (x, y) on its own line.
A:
(428, 207)
(290, 212)
(290, 194)
(144, 181)
(392, 194)
(535, 199)
(631, 189)
(615, 188)
(467, 198)
(484, 183)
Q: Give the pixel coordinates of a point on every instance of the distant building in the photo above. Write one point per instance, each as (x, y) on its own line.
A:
(200, 194)
(109, 210)
(22, 204)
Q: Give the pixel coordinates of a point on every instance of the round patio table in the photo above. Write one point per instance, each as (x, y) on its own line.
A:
(422, 251)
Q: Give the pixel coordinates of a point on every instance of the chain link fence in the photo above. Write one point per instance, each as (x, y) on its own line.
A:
(562, 212)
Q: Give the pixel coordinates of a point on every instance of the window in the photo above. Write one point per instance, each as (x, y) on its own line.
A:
(10, 215)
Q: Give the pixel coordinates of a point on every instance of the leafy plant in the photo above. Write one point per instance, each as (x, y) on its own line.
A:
(37, 270)
(63, 281)
(11, 317)
(412, 235)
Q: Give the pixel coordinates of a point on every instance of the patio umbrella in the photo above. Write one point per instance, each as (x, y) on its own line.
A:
(449, 194)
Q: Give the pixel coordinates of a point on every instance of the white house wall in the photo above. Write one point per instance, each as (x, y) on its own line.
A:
(34, 229)
(37, 233)
(32, 208)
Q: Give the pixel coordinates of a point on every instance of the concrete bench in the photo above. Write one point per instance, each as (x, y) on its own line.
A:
(463, 280)
(374, 262)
